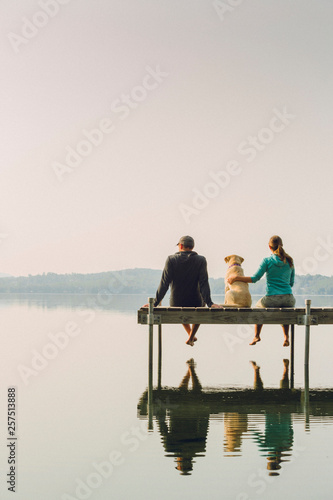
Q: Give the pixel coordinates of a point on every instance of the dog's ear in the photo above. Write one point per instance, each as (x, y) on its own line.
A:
(241, 259)
(226, 259)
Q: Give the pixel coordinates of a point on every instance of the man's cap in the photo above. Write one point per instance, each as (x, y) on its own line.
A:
(187, 241)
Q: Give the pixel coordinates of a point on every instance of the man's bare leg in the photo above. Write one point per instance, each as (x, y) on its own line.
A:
(184, 383)
(188, 331)
(196, 386)
(190, 340)
(187, 328)
(257, 330)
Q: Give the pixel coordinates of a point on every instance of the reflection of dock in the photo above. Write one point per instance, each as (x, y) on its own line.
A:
(203, 315)
(182, 416)
(242, 400)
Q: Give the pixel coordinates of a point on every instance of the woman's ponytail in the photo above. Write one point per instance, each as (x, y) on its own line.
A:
(276, 245)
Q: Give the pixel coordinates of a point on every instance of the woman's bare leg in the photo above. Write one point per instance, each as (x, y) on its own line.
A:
(257, 330)
(284, 383)
(196, 386)
(285, 329)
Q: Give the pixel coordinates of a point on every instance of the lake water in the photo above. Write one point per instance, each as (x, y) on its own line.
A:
(78, 366)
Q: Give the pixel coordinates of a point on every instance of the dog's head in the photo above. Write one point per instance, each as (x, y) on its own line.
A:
(234, 259)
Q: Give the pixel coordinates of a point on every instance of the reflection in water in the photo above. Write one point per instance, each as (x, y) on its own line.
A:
(278, 436)
(235, 424)
(184, 430)
(264, 416)
(258, 383)
(98, 301)
(276, 440)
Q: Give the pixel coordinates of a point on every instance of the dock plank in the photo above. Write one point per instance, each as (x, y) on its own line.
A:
(235, 315)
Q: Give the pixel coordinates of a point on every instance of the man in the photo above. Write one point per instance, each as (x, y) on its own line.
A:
(186, 274)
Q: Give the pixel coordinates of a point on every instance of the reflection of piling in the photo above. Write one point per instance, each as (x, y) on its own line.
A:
(292, 355)
(306, 360)
(150, 363)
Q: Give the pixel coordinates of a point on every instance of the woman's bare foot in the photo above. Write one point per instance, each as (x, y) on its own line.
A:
(285, 343)
(189, 342)
(255, 340)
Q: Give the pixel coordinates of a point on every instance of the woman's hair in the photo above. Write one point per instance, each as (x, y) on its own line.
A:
(277, 246)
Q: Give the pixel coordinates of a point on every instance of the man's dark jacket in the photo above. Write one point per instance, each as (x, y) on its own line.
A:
(186, 274)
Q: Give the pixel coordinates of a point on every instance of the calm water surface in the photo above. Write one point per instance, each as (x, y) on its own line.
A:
(79, 366)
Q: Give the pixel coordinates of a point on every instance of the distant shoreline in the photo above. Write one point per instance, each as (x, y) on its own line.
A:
(139, 281)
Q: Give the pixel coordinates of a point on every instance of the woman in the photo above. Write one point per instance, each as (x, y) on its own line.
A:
(280, 275)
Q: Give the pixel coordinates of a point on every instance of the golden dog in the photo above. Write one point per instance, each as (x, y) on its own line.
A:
(237, 294)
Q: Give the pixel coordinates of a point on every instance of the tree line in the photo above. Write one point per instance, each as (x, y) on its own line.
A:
(130, 281)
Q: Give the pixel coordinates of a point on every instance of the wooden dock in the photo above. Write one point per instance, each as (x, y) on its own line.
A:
(301, 316)
(233, 315)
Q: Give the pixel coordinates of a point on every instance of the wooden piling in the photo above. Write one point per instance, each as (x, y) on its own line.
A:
(307, 331)
(306, 357)
(150, 362)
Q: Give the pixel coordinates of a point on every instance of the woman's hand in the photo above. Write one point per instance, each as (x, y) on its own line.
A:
(231, 279)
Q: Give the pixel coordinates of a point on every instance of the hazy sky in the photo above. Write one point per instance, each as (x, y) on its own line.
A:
(128, 123)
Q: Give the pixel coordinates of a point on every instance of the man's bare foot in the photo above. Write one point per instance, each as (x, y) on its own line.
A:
(286, 343)
(255, 340)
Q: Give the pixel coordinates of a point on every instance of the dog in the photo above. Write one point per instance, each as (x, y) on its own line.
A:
(237, 294)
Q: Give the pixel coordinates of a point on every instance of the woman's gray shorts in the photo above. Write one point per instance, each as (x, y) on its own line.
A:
(276, 301)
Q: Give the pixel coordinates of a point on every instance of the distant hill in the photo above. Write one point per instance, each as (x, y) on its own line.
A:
(138, 281)
(125, 281)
